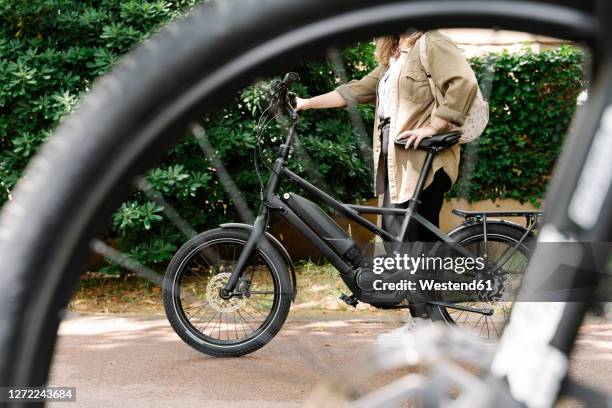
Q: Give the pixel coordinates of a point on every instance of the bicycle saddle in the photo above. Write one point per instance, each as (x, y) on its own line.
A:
(437, 142)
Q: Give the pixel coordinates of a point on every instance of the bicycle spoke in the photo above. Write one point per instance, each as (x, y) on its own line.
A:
(200, 276)
(495, 328)
(198, 310)
(256, 310)
(235, 324)
(240, 314)
(227, 325)
(211, 319)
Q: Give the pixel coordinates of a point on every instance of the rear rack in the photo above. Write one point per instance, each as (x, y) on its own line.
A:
(531, 217)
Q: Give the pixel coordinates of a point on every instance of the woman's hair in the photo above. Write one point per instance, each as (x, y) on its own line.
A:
(387, 46)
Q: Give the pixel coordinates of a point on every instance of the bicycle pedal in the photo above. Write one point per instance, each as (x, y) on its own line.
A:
(349, 300)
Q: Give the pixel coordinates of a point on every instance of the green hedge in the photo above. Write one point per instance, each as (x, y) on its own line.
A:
(52, 50)
(532, 101)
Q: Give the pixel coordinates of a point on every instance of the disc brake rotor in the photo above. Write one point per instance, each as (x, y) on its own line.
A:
(213, 289)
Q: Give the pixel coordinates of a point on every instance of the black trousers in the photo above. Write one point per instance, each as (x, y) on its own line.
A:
(431, 199)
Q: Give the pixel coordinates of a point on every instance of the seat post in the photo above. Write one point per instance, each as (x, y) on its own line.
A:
(418, 189)
(416, 195)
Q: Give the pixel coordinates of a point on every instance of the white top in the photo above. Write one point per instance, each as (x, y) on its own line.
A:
(385, 102)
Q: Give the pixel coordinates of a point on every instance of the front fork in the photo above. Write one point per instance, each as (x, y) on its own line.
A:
(259, 227)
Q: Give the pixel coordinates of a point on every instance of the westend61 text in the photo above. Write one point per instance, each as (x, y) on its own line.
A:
(430, 284)
(412, 264)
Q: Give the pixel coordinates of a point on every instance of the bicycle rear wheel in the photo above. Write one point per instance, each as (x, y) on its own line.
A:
(501, 238)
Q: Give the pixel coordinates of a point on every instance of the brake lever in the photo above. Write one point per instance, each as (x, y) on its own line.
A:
(291, 104)
(293, 115)
(292, 99)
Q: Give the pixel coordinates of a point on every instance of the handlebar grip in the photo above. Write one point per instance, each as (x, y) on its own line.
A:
(290, 78)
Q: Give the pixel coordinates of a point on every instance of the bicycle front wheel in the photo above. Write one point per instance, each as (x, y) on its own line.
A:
(226, 327)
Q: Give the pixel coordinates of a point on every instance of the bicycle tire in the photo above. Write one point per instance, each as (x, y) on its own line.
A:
(132, 116)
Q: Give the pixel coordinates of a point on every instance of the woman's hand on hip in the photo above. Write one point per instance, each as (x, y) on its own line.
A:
(414, 137)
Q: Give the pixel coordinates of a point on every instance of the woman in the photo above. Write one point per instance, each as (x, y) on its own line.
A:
(404, 104)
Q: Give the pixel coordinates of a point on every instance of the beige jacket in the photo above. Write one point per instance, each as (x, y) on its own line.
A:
(414, 103)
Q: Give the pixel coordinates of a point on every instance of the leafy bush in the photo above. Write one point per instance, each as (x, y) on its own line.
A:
(532, 102)
(52, 50)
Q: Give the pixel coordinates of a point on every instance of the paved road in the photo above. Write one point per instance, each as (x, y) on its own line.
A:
(137, 361)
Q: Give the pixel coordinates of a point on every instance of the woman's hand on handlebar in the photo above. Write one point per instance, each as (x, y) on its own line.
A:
(301, 104)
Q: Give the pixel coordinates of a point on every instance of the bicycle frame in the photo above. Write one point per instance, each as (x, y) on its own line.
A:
(273, 202)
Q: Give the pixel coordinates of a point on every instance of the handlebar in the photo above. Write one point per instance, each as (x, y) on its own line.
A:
(278, 85)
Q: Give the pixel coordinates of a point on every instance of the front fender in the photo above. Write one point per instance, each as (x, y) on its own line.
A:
(276, 244)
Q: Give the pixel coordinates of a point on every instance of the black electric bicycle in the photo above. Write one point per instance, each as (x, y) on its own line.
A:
(227, 291)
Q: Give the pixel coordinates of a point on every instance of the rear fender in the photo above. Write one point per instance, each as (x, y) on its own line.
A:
(276, 244)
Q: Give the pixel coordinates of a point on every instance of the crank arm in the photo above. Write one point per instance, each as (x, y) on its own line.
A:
(486, 312)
